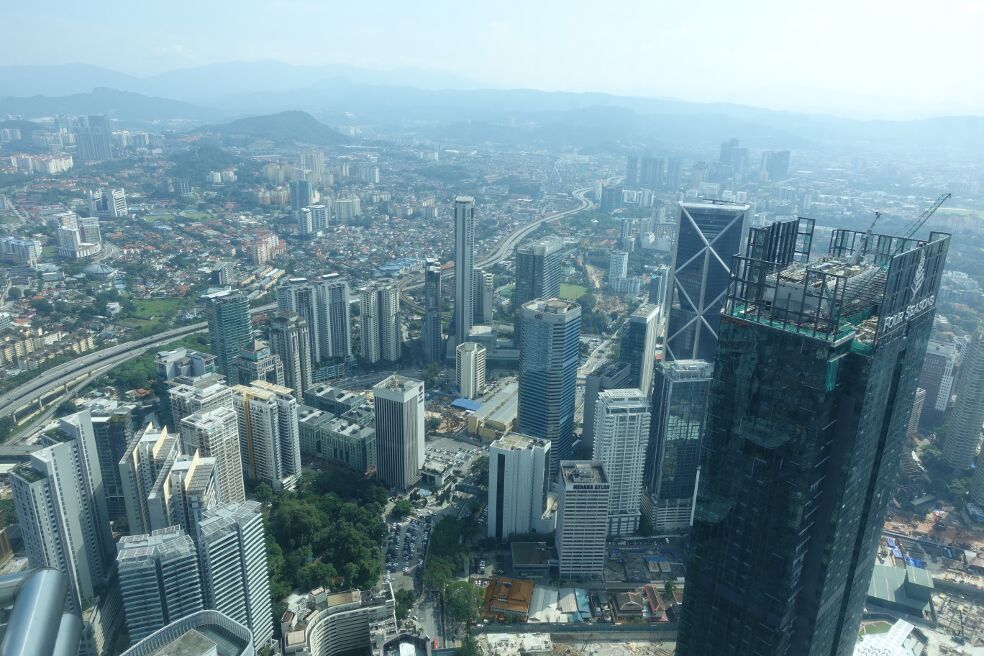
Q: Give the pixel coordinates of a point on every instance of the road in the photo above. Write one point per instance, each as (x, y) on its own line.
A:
(55, 377)
(504, 250)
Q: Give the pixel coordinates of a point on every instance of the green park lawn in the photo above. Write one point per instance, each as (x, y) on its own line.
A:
(572, 292)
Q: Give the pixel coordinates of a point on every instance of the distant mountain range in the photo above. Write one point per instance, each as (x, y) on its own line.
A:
(445, 108)
(282, 127)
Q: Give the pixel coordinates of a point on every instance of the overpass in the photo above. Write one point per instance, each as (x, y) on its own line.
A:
(32, 397)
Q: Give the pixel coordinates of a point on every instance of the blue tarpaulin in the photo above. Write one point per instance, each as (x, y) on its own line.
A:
(891, 543)
(466, 404)
(897, 552)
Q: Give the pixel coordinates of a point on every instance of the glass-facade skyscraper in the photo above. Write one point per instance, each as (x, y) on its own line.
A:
(537, 275)
(229, 327)
(638, 346)
(814, 382)
(464, 267)
(708, 235)
(430, 330)
(548, 359)
(679, 411)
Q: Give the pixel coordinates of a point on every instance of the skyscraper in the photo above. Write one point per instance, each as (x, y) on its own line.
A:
(232, 553)
(708, 235)
(399, 406)
(215, 433)
(151, 452)
(638, 346)
(618, 267)
(963, 435)
(333, 317)
(483, 296)
(608, 375)
(430, 331)
(620, 437)
(257, 362)
(548, 359)
(380, 323)
(94, 138)
(159, 580)
(183, 493)
(611, 198)
(464, 266)
(679, 412)
(229, 327)
(657, 286)
(519, 477)
(469, 369)
(113, 425)
(301, 195)
(537, 274)
(937, 378)
(61, 508)
(289, 340)
(268, 434)
(188, 396)
(800, 461)
(582, 519)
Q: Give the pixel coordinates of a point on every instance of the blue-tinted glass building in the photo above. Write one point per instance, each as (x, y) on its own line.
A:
(549, 352)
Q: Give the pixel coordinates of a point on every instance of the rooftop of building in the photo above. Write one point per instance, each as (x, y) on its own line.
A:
(715, 205)
(627, 398)
(507, 595)
(222, 517)
(582, 471)
(518, 442)
(137, 549)
(645, 312)
(907, 587)
(464, 199)
(525, 554)
(551, 306)
(398, 383)
(210, 631)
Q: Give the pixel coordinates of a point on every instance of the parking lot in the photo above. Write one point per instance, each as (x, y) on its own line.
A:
(406, 545)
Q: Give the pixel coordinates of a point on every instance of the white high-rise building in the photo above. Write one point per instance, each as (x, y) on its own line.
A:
(268, 434)
(183, 493)
(204, 393)
(322, 302)
(399, 406)
(618, 266)
(381, 336)
(483, 296)
(519, 476)
(159, 580)
(621, 435)
(232, 553)
(215, 433)
(151, 452)
(61, 508)
(464, 266)
(469, 368)
(582, 520)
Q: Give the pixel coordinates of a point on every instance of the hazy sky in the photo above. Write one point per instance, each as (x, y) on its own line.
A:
(914, 57)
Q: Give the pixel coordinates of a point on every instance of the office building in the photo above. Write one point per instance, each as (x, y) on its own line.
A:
(708, 235)
(94, 139)
(289, 340)
(187, 396)
(183, 493)
(917, 407)
(799, 462)
(431, 336)
(61, 509)
(324, 623)
(618, 267)
(338, 439)
(77, 238)
(380, 322)
(268, 434)
(232, 553)
(776, 164)
(301, 195)
(608, 375)
(215, 434)
(938, 373)
(611, 198)
(159, 580)
(519, 478)
(399, 407)
(333, 317)
(107, 203)
(963, 434)
(679, 412)
(464, 267)
(182, 362)
(582, 519)
(113, 425)
(257, 362)
(205, 633)
(26, 252)
(319, 217)
(229, 327)
(483, 296)
(658, 281)
(151, 452)
(548, 359)
(469, 369)
(621, 435)
(638, 346)
(537, 275)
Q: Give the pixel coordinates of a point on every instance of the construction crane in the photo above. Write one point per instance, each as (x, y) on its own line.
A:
(922, 218)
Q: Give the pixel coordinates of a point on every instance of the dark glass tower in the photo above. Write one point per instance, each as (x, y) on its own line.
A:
(229, 327)
(548, 360)
(708, 235)
(430, 331)
(638, 346)
(814, 381)
(537, 275)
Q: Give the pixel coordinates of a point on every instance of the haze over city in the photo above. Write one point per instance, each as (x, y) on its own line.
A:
(492, 329)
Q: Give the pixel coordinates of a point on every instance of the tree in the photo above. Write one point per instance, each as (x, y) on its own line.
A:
(668, 588)
(433, 423)
(481, 467)
(404, 603)
(463, 600)
(7, 426)
(430, 374)
(402, 508)
(15, 293)
(438, 573)
(469, 647)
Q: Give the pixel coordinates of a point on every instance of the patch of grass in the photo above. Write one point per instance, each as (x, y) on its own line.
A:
(157, 308)
(195, 215)
(159, 218)
(572, 292)
(875, 628)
